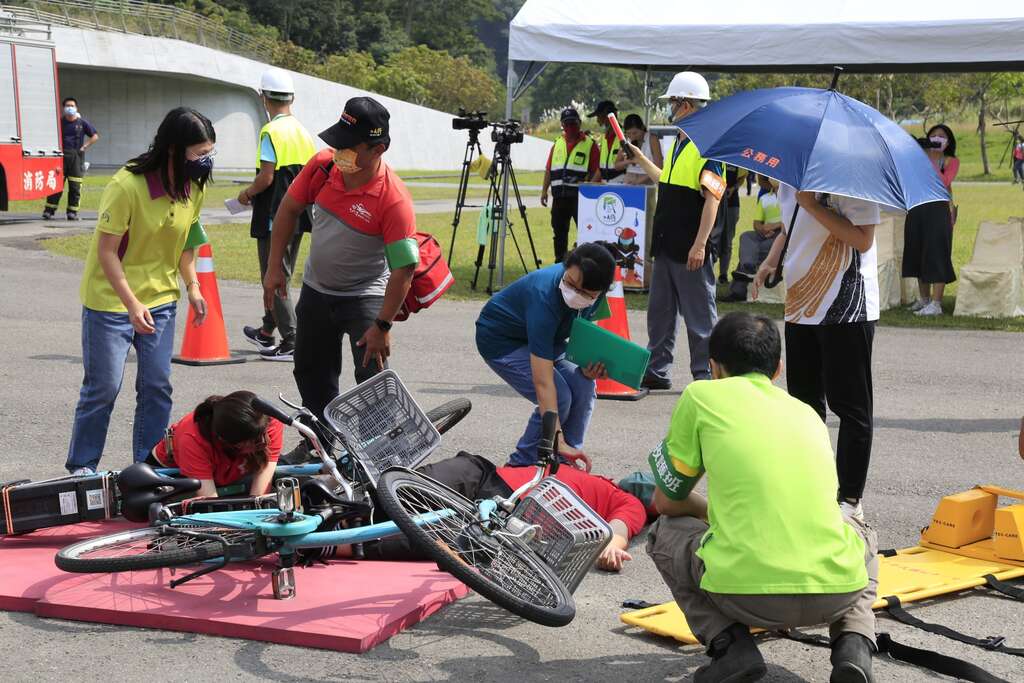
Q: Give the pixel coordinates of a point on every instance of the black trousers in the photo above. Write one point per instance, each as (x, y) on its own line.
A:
(74, 170)
(832, 364)
(473, 476)
(563, 210)
(321, 322)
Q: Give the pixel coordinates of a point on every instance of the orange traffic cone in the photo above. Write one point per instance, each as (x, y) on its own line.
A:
(619, 324)
(208, 343)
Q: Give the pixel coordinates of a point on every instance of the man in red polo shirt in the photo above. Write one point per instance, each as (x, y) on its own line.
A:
(572, 160)
(361, 257)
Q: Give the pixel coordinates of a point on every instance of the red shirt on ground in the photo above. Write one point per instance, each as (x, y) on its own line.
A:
(199, 459)
(594, 163)
(607, 499)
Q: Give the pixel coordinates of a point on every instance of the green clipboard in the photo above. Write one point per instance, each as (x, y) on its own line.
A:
(625, 361)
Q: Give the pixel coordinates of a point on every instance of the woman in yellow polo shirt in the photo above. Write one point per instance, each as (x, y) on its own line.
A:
(130, 285)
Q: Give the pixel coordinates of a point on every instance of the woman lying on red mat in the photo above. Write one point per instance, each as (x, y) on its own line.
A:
(223, 440)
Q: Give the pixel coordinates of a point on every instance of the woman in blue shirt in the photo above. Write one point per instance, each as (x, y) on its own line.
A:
(522, 334)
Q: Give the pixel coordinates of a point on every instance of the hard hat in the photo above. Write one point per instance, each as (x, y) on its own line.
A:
(689, 85)
(276, 82)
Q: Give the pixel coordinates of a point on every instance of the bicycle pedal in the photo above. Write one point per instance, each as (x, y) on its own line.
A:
(283, 582)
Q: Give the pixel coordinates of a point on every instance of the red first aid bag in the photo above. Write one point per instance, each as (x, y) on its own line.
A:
(431, 279)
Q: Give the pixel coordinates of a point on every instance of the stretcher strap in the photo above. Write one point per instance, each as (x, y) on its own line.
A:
(925, 659)
(1004, 588)
(939, 663)
(992, 643)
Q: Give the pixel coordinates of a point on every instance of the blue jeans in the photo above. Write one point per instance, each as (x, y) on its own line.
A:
(576, 396)
(106, 339)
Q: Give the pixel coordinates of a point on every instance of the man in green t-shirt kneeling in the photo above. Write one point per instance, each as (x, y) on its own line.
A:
(775, 551)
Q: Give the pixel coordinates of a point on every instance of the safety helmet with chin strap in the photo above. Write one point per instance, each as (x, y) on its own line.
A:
(688, 85)
(276, 84)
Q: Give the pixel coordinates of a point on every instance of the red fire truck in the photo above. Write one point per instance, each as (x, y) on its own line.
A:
(31, 161)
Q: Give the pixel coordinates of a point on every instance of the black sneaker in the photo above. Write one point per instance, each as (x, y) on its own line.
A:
(656, 383)
(734, 658)
(73, 216)
(851, 659)
(285, 351)
(732, 298)
(255, 335)
(48, 214)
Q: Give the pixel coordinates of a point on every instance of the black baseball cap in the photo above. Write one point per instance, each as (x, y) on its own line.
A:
(364, 120)
(604, 107)
(569, 114)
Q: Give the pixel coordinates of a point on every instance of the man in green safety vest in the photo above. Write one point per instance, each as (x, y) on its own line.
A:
(284, 148)
(690, 189)
(608, 144)
(573, 159)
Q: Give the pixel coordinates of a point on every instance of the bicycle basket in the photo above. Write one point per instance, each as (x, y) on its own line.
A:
(382, 425)
(571, 534)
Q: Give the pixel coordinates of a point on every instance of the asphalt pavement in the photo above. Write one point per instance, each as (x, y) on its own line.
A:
(947, 408)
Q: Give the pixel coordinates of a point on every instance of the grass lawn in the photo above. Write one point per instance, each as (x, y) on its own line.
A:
(236, 253)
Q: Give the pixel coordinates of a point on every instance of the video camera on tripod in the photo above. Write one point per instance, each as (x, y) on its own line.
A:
(501, 178)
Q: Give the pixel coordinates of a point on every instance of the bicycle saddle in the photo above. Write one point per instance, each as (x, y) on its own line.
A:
(140, 487)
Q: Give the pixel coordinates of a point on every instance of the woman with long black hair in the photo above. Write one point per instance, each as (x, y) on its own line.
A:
(223, 440)
(130, 285)
(928, 231)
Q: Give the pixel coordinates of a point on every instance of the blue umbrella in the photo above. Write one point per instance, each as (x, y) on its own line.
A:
(819, 141)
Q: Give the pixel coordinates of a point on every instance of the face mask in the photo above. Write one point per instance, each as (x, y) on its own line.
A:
(626, 243)
(345, 159)
(199, 169)
(574, 299)
(941, 142)
(70, 111)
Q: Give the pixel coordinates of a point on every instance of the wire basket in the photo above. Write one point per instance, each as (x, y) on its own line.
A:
(382, 426)
(571, 534)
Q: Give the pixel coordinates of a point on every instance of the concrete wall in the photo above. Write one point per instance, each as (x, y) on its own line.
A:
(125, 84)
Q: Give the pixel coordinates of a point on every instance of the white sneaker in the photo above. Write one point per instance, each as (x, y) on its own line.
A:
(852, 510)
(933, 308)
(918, 305)
(83, 472)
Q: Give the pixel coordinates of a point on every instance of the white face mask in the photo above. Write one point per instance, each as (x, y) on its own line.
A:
(940, 141)
(574, 299)
(70, 111)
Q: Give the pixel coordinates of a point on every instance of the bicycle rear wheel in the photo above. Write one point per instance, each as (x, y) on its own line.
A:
(155, 548)
(447, 415)
(502, 569)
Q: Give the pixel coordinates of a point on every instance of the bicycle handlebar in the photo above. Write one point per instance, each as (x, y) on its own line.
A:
(270, 410)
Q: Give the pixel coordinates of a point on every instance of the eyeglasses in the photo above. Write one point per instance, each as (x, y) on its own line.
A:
(191, 156)
(581, 292)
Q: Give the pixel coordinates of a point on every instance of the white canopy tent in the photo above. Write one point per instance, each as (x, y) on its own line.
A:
(878, 36)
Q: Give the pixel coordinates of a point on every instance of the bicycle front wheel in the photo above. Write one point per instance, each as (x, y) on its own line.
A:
(153, 548)
(502, 569)
(449, 414)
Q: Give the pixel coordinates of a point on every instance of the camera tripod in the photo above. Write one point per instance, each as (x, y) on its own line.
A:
(501, 177)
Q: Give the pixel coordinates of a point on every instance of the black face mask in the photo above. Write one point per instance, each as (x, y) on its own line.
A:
(199, 169)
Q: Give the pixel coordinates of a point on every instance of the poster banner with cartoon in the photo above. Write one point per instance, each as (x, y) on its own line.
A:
(616, 214)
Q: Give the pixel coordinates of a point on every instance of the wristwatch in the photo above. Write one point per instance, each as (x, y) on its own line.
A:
(384, 325)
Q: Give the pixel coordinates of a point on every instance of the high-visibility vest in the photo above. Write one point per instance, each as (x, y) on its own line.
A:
(608, 154)
(569, 170)
(293, 147)
(680, 202)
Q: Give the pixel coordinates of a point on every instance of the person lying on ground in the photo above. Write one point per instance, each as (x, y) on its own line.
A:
(223, 440)
(777, 551)
(476, 478)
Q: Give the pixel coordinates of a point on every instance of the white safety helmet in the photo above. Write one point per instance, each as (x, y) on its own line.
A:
(688, 85)
(276, 84)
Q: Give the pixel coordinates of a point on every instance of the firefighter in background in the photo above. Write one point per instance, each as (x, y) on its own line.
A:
(627, 256)
(77, 135)
(284, 148)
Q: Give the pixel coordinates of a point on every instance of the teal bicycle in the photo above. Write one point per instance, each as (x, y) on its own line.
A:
(526, 552)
